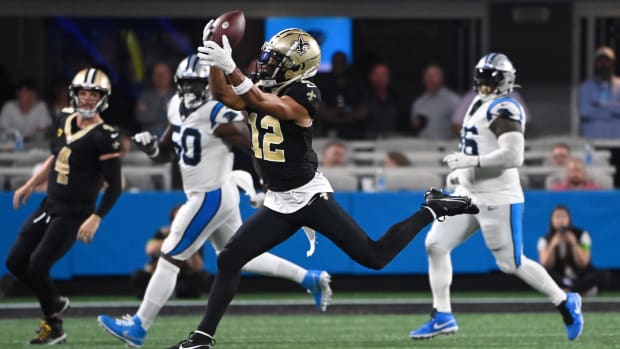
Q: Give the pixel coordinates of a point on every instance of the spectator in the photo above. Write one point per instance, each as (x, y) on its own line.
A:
(396, 159)
(566, 254)
(463, 107)
(599, 98)
(192, 280)
(383, 103)
(59, 98)
(342, 108)
(431, 113)
(26, 114)
(334, 154)
(152, 105)
(575, 178)
(560, 154)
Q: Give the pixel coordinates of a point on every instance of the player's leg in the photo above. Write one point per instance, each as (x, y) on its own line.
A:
(57, 240)
(442, 238)
(341, 229)
(258, 234)
(315, 281)
(193, 224)
(502, 229)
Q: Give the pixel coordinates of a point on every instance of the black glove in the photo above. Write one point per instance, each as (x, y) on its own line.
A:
(147, 143)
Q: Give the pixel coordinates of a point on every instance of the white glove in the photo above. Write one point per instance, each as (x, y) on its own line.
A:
(460, 160)
(216, 56)
(207, 32)
(146, 142)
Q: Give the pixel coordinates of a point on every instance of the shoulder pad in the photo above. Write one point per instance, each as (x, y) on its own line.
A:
(505, 107)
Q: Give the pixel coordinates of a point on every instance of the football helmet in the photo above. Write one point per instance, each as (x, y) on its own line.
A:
(90, 79)
(494, 76)
(290, 55)
(192, 82)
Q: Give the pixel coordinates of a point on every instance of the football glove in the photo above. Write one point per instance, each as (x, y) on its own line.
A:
(207, 32)
(147, 143)
(216, 56)
(460, 160)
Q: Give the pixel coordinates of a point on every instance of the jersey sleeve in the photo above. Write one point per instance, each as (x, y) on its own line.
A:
(108, 141)
(221, 114)
(505, 108)
(307, 94)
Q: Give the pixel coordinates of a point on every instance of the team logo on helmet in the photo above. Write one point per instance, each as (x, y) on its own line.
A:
(302, 46)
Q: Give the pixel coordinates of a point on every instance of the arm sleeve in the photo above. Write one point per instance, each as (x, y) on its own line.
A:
(509, 154)
(111, 169)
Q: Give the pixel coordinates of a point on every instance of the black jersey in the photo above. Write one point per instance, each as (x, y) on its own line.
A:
(76, 177)
(284, 149)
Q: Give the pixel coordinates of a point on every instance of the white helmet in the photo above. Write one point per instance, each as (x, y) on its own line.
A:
(192, 82)
(494, 76)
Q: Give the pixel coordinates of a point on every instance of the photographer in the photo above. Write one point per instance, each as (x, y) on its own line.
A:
(566, 254)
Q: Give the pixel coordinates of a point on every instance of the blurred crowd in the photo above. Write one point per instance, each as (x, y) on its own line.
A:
(358, 104)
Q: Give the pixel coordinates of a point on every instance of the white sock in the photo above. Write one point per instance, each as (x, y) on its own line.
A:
(440, 277)
(158, 291)
(270, 265)
(537, 277)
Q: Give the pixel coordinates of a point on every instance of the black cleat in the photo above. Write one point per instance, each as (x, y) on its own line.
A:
(196, 340)
(49, 334)
(442, 205)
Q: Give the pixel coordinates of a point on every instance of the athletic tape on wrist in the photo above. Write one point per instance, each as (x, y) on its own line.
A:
(243, 87)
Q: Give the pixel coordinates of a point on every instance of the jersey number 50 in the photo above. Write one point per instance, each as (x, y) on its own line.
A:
(187, 144)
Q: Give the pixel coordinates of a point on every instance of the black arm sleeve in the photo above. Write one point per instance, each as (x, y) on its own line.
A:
(111, 169)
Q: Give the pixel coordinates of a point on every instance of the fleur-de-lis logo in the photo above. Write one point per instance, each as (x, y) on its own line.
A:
(301, 45)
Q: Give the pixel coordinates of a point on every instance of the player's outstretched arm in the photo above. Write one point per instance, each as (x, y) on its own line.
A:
(23, 193)
(160, 150)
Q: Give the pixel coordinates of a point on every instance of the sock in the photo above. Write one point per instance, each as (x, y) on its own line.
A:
(440, 277)
(270, 265)
(158, 291)
(537, 277)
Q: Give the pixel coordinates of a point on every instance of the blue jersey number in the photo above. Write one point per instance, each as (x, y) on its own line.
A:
(187, 144)
(468, 143)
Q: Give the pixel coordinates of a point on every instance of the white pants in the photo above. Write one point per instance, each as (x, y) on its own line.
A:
(214, 215)
(501, 226)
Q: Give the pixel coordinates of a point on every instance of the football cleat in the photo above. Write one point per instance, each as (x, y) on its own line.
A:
(316, 282)
(196, 340)
(441, 205)
(572, 316)
(48, 334)
(440, 323)
(128, 329)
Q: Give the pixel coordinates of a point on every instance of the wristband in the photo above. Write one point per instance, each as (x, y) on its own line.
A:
(243, 87)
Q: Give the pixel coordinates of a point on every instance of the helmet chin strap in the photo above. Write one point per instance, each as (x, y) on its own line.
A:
(87, 113)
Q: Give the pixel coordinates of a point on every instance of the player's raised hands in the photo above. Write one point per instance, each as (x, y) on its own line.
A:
(218, 57)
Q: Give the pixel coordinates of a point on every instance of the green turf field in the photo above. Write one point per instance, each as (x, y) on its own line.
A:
(522, 330)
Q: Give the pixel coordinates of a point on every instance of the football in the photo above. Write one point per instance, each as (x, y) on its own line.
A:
(231, 24)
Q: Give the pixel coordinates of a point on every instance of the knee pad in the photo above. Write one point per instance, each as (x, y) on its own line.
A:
(508, 267)
(228, 259)
(434, 249)
(15, 267)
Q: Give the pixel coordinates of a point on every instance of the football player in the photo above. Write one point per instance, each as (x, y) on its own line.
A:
(85, 153)
(486, 168)
(200, 134)
(281, 109)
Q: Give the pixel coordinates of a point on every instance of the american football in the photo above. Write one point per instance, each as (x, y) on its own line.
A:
(231, 24)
